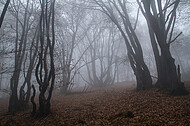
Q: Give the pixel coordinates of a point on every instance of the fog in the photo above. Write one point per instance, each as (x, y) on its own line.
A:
(53, 48)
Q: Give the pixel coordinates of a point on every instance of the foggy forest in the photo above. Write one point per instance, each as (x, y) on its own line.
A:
(94, 62)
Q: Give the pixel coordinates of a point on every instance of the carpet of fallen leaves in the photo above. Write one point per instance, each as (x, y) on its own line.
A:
(115, 105)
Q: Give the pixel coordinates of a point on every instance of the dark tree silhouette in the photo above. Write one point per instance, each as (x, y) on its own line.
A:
(45, 71)
(32, 100)
(24, 97)
(4, 12)
(161, 21)
(20, 48)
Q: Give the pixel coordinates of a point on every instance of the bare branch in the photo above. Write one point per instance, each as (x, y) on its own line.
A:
(175, 38)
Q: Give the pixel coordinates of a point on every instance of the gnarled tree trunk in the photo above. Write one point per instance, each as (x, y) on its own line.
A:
(161, 25)
(45, 71)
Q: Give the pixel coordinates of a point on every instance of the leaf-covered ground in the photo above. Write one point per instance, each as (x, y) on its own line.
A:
(116, 105)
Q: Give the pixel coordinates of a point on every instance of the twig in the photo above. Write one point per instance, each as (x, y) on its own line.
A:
(175, 38)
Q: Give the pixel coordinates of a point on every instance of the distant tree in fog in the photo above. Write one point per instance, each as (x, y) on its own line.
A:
(101, 60)
(69, 35)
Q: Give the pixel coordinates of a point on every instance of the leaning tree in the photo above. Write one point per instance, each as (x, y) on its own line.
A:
(114, 8)
(4, 12)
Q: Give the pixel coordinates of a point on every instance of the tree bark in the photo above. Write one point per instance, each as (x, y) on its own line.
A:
(33, 102)
(45, 74)
(159, 27)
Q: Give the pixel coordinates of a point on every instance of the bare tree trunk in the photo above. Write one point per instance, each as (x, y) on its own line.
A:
(25, 96)
(4, 12)
(33, 102)
(19, 56)
(161, 30)
(46, 77)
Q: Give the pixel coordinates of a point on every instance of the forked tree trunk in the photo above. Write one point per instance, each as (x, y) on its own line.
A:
(20, 47)
(161, 28)
(25, 96)
(45, 74)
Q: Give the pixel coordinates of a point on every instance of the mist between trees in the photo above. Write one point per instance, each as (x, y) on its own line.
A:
(63, 44)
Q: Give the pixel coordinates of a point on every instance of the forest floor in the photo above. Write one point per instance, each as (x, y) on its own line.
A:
(115, 105)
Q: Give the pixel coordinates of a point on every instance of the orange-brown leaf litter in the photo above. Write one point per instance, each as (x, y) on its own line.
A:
(112, 106)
